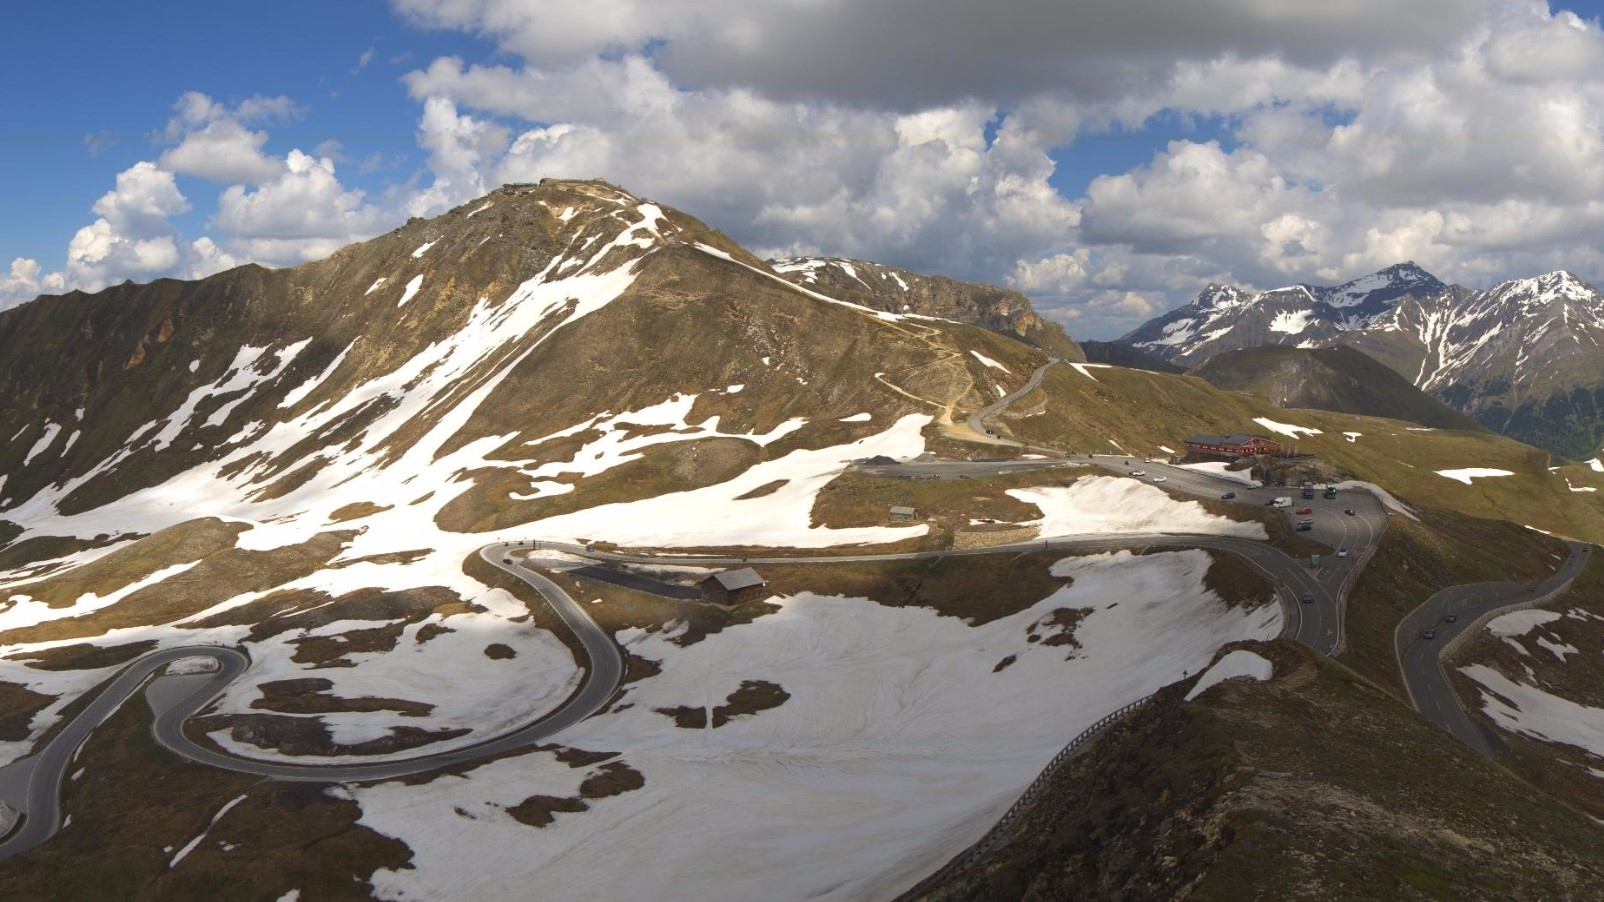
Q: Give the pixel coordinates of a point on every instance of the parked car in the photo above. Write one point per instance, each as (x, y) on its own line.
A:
(1305, 510)
(1228, 496)
(1349, 511)
(1429, 634)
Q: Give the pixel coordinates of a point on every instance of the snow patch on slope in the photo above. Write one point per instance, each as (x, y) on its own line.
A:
(1286, 429)
(1101, 505)
(1239, 663)
(1468, 473)
(883, 762)
(415, 283)
(49, 436)
(989, 362)
(782, 518)
(1291, 322)
(1530, 711)
(1519, 623)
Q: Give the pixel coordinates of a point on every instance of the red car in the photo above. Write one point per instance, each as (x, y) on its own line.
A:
(1305, 510)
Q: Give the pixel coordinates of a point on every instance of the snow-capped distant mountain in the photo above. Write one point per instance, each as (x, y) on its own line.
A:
(1227, 318)
(1523, 358)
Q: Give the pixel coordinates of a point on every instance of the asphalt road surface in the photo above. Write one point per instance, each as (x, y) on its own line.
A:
(1420, 659)
(977, 420)
(33, 785)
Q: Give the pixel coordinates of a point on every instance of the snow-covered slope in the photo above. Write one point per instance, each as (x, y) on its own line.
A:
(885, 759)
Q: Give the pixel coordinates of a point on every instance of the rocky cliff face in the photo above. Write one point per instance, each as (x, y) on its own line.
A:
(900, 291)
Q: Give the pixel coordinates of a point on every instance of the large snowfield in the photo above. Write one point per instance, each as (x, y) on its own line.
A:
(900, 744)
(1102, 505)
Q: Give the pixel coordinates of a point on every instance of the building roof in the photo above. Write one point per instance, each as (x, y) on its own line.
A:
(1237, 439)
(744, 578)
(899, 510)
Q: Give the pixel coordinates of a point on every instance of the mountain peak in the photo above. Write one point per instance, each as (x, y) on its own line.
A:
(1539, 291)
(1217, 297)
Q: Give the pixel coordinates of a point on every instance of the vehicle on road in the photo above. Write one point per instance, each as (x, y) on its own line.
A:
(1308, 491)
(1429, 634)
(1342, 552)
(1308, 598)
(1348, 511)
(1158, 479)
(1452, 618)
(1330, 493)
(506, 560)
(1283, 501)
(1304, 510)
(1305, 527)
(1228, 496)
(1138, 472)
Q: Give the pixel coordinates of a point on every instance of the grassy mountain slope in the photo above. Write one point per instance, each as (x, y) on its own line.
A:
(1338, 379)
(1113, 352)
(1117, 410)
(1313, 785)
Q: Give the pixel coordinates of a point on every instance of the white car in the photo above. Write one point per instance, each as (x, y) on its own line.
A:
(1138, 472)
(1158, 479)
(1342, 552)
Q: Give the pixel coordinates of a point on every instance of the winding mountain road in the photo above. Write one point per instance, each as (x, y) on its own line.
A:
(1420, 660)
(977, 420)
(33, 785)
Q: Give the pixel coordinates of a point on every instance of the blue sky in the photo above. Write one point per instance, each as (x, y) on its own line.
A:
(1106, 161)
(126, 71)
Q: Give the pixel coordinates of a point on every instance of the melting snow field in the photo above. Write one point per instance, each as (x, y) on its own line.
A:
(1530, 711)
(1291, 322)
(988, 361)
(1519, 623)
(1100, 505)
(782, 518)
(1286, 429)
(1469, 473)
(1220, 468)
(1239, 663)
(883, 763)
